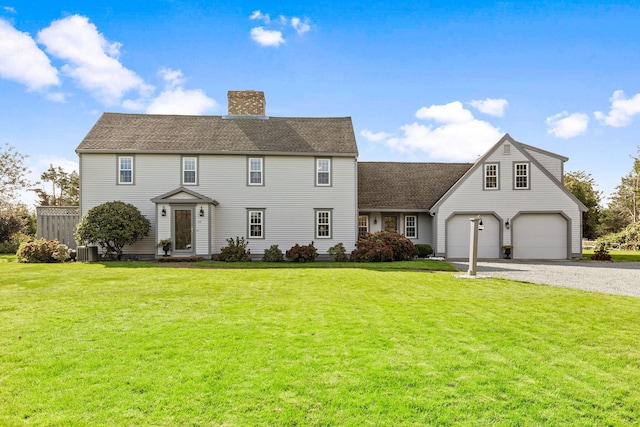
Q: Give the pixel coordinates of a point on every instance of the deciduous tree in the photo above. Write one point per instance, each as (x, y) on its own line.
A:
(582, 185)
(12, 173)
(65, 188)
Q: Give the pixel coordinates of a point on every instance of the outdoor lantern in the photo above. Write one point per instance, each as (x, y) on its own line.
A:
(201, 211)
(375, 219)
(506, 224)
(164, 211)
(480, 226)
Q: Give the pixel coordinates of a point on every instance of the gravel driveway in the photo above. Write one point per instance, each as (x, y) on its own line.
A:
(621, 278)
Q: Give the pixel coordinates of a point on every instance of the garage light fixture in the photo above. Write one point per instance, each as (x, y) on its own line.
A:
(164, 211)
(506, 224)
(201, 211)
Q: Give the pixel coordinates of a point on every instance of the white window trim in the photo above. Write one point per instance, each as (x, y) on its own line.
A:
(119, 166)
(250, 224)
(414, 226)
(318, 172)
(183, 170)
(250, 171)
(366, 217)
(527, 175)
(485, 176)
(329, 224)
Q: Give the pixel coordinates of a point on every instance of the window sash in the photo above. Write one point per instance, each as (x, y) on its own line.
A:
(521, 175)
(410, 227)
(255, 171)
(125, 170)
(363, 225)
(323, 175)
(189, 170)
(323, 224)
(256, 224)
(491, 176)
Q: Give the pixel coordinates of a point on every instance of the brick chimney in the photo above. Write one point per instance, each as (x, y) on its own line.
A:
(246, 103)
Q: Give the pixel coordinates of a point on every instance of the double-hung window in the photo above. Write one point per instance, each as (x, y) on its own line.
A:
(125, 170)
(490, 176)
(190, 170)
(256, 176)
(323, 172)
(521, 176)
(411, 226)
(323, 223)
(363, 225)
(256, 223)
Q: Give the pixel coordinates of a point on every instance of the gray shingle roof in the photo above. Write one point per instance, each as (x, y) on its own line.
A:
(403, 186)
(115, 132)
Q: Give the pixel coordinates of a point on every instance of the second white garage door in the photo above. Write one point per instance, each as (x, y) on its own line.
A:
(540, 236)
(458, 230)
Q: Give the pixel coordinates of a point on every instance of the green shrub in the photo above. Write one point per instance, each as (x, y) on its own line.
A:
(10, 224)
(383, 246)
(305, 253)
(235, 251)
(112, 225)
(273, 254)
(627, 239)
(338, 253)
(41, 250)
(601, 254)
(424, 250)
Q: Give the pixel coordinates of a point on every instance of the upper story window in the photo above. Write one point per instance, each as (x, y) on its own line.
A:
(125, 170)
(256, 171)
(190, 170)
(363, 225)
(521, 175)
(490, 176)
(410, 226)
(323, 172)
(323, 224)
(256, 224)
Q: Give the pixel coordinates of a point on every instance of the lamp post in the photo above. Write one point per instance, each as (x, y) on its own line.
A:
(473, 246)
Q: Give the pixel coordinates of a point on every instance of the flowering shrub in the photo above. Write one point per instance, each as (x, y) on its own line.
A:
(383, 246)
(273, 254)
(305, 253)
(235, 251)
(42, 250)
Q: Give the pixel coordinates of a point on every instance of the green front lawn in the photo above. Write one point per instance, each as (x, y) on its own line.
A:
(142, 344)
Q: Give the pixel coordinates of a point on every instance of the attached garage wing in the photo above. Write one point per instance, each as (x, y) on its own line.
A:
(458, 231)
(540, 236)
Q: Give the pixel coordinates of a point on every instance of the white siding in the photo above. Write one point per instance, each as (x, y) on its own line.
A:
(288, 197)
(552, 164)
(543, 196)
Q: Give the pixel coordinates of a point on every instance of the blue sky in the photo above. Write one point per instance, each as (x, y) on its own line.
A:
(422, 81)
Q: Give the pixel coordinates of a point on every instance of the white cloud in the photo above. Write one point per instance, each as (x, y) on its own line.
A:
(375, 136)
(9, 9)
(301, 27)
(58, 97)
(172, 78)
(22, 61)
(452, 112)
(266, 37)
(260, 16)
(181, 101)
(565, 125)
(91, 60)
(490, 106)
(621, 111)
(458, 137)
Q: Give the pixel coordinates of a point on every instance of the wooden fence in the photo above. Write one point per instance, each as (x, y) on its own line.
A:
(58, 222)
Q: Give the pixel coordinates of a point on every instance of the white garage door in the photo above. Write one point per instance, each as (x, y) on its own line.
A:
(458, 230)
(540, 236)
